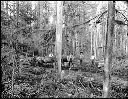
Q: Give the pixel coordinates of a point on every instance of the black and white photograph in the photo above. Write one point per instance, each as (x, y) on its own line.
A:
(64, 49)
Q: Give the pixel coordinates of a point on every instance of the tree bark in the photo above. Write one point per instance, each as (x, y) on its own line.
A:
(104, 32)
(95, 41)
(38, 21)
(91, 38)
(109, 47)
(15, 55)
(73, 44)
(77, 44)
(127, 34)
(59, 34)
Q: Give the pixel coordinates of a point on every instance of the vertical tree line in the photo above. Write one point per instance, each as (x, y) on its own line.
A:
(59, 24)
(15, 56)
(109, 49)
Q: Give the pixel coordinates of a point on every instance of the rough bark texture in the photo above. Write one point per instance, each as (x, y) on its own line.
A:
(59, 34)
(109, 46)
(91, 39)
(77, 44)
(15, 56)
(95, 41)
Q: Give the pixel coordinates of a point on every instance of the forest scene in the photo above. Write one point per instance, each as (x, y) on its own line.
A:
(64, 49)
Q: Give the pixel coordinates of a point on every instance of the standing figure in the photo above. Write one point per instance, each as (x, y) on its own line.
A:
(81, 57)
(70, 59)
(51, 55)
(64, 61)
(33, 61)
(40, 61)
(22, 58)
(93, 60)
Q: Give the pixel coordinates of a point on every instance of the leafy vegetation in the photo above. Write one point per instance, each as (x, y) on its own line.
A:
(27, 34)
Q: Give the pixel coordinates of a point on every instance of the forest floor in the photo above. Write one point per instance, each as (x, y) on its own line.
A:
(85, 82)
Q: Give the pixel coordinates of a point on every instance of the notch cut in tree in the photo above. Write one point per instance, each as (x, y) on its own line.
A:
(108, 49)
(59, 24)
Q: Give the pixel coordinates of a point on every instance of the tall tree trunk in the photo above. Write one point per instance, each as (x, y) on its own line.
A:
(109, 47)
(121, 38)
(59, 34)
(73, 44)
(104, 32)
(38, 21)
(127, 35)
(13, 71)
(102, 42)
(98, 27)
(2, 5)
(126, 40)
(77, 44)
(91, 38)
(95, 40)
(7, 7)
(15, 55)
(115, 38)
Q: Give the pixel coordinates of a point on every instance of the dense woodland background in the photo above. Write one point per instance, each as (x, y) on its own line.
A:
(82, 27)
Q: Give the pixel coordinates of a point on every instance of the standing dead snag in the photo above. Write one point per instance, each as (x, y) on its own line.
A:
(59, 34)
(108, 49)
